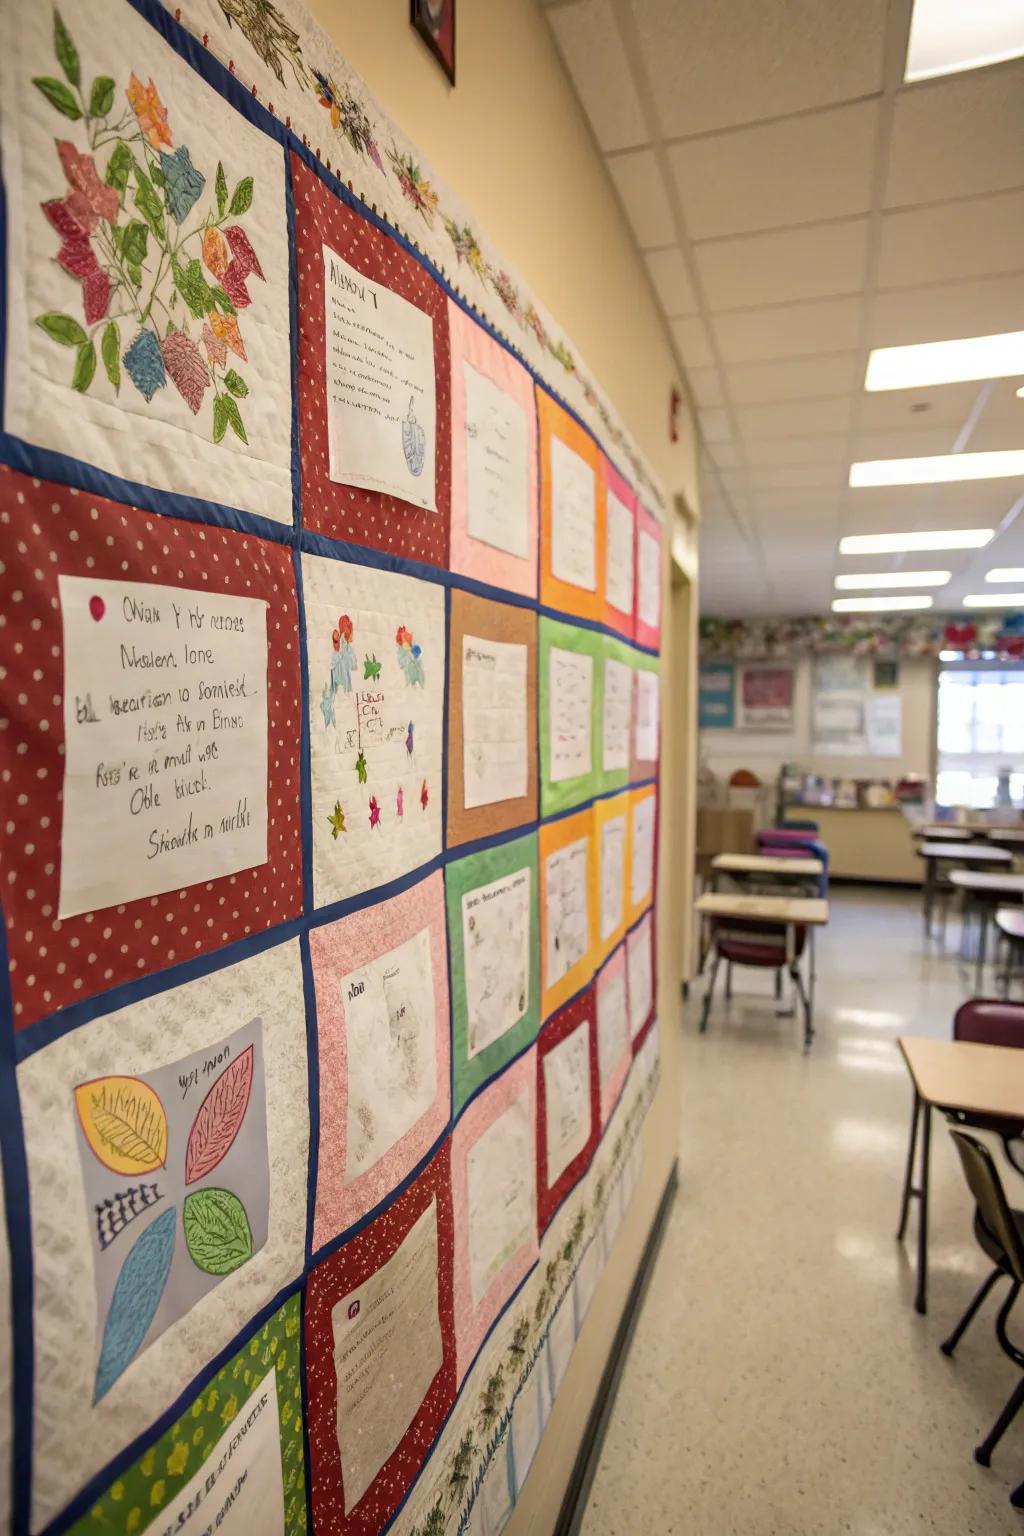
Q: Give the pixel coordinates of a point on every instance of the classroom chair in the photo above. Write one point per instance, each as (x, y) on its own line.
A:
(789, 825)
(990, 1021)
(806, 848)
(1000, 1234)
(762, 946)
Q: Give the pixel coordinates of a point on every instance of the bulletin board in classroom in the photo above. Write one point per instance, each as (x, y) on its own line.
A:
(329, 733)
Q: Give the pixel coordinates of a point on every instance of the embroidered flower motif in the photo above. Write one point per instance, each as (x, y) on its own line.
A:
(89, 200)
(233, 284)
(374, 812)
(184, 362)
(245, 257)
(150, 111)
(215, 251)
(414, 185)
(345, 627)
(77, 257)
(226, 328)
(144, 364)
(183, 183)
(216, 351)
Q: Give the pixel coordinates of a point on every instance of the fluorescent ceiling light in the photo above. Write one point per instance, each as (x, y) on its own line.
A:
(904, 543)
(995, 600)
(878, 604)
(950, 35)
(867, 580)
(1005, 573)
(938, 469)
(946, 362)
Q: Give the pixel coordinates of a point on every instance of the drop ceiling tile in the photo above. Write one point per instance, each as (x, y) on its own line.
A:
(974, 504)
(764, 452)
(589, 42)
(954, 240)
(800, 378)
(711, 66)
(1004, 403)
(639, 184)
(957, 136)
(714, 426)
(787, 477)
(788, 330)
(916, 441)
(706, 386)
(784, 266)
(671, 281)
(692, 341)
(892, 410)
(730, 183)
(977, 307)
(797, 418)
(996, 432)
(725, 455)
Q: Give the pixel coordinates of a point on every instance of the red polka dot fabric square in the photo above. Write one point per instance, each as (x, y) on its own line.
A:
(568, 1102)
(380, 1356)
(349, 512)
(49, 531)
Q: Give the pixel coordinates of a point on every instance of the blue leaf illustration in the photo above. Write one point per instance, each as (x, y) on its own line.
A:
(136, 1298)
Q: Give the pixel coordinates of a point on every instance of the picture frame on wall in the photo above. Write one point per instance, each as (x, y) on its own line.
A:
(764, 697)
(434, 20)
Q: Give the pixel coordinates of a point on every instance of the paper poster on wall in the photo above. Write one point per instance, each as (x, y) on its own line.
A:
(502, 1199)
(570, 695)
(619, 554)
(381, 405)
(496, 932)
(567, 877)
(715, 703)
(613, 859)
(613, 1035)
(640, 973)
(884, 725)
(642, 846)
(497, 471)
(494, 720)
(648, 713)
(765, 697)
(165, 727)
(618, 706)
(573, 517)
(648, 579)
(838, 724)
(567, 1100)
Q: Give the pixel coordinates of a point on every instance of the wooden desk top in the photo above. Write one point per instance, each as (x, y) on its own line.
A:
(763, 864)
(1013, 836)
(769, 909)
(1010, 920)
(944, 834)
(965, 853)
(957, 1074)
(987, 880)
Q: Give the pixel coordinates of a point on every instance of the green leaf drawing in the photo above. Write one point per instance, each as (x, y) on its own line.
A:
(241, 197)
(217, 1231)
(157, 176)
(236, 384)
(85, 367)
(101, 97)
(221, 185)
(134, 242)
(67, 53)
(148, 203)
(58, 95)
(119, 168)
(234, 416)
(193, 287)
(110, 349)
(221, 301)
(135, 274)
(62, 328)
(220, 418)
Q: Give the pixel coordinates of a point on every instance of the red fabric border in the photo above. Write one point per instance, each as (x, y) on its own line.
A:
(562, 1023)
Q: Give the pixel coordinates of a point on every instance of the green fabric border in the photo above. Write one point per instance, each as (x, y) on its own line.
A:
(133, 1501)
(587, 642)
(616, 778)
(466, 875)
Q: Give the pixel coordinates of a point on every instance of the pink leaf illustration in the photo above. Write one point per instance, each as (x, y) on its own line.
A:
(219, 1119)
(184, 362)
(242, 251)
(233, 283)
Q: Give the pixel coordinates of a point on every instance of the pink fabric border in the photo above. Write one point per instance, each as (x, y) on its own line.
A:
(615, 966)
(470, 343)
(472, 1323)
(336, 949)
(625, 623)
(645, 633)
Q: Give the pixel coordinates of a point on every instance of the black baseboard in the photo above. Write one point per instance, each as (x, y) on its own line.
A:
(570, 1516)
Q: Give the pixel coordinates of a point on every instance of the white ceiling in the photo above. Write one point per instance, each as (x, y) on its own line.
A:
(796, 205)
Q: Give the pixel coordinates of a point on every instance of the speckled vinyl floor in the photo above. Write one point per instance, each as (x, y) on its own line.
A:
(780, 1382)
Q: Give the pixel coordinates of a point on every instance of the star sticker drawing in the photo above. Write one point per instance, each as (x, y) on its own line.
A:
(374, 812)
(361, 768)
(424, 795)
(400, 803)
(371, 668)
(337, 820)
(408, 739)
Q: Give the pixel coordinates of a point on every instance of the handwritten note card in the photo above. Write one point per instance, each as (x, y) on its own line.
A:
(165, 726)
(568, 918)
(641, 980)
(648, 579)
(570, 692)
(381, 405)
(238, 1489)
(567, 1100)
(494, 735)
(501, 1194)
(573, 515)
(618, 585)
(497, 470)
(648, 709)
(618, 704)
(612, 1026)
(642, 872)
(613, 852)
(496, 947)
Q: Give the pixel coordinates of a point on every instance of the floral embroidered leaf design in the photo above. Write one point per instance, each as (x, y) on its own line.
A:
(145, 364)
(101, 96)
(64, 48)
(150, 111)
(216, 255)
(220, 418)
(241, 197)
(58, 95)
(110, 351)
(193, 287)
(184, 363)
(226, 327)
(245, 257)
(221, 189)
(135, 1300)
(85, 367)
(62, 328)
(119, 168)
(236, 384)
(371, 668)
(234, 417)
(123, 1122)
(132, 240)
(220, 1118)
(147, 201)
(183, 183)
(217, 1231)
(88, 199)
(216, 351)
(221, 301)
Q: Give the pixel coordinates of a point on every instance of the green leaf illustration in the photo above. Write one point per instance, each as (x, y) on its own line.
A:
(221, 185)
(236, 384)
(241, 197)
(217, 1231)
(149, 205)
(110, 348)
(220, 418)
(62, 328)
(135, 274)
(101, 97)
(193, 287)
(221, 301)
(85, 367)
(134, 242)
(234, 417)
(67, 53)
(58, 95)
(119, 168)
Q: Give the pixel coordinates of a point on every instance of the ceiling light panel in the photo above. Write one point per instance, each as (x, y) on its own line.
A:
(947, 36)
(865, 581)
(994, 600)
(879, 604)
(946, 362)
(1006, 573)
(939, 469)
(905, 543)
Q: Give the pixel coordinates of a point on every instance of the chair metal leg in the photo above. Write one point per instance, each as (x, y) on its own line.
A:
(728, 981)
(908, 1179)
(778, 985)
(921, 1299)
(983, 1452)
(706, 1009)
(1017, 1496)
(962, 1326)
(798, 982)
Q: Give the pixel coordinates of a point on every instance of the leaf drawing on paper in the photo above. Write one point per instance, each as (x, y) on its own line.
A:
(220, 1117)
(135, 1300)
(124, 1123)
(217, 1231)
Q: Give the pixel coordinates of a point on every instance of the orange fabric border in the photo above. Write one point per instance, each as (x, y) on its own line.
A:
(556, 422)
(553, 836)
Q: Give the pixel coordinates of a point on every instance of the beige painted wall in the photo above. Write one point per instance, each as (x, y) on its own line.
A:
(512, 143)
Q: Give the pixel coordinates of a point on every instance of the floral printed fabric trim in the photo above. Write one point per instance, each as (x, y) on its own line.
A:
(138, 224)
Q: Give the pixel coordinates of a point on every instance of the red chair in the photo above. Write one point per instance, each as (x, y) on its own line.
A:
(990, 1021)
(763, 946)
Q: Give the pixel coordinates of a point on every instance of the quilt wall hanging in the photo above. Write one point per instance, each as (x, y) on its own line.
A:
(329, 731)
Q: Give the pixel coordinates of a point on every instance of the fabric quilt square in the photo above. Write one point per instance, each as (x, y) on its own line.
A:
(614, 1046)
(571, 514)
(568, 907)
(615, 713)
(643, 850)
(612, 839)
(237, 1447)
(375, 645)
(494, 1162)
(643, 760)
(6, 1362)
(162, 675)
(568, 1102)
(620, 550)
(570, 683)
(492, 718)
(494, 460)
(648, 579)
(148, 270)
(375, 435)
(381, 978)
(494, 943)
(380, 1356)
(167, 1148)
(641, 973)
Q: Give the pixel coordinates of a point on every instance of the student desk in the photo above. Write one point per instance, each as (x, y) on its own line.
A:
(740, 865)
(958, 1077)
(984, 889)
(716, 908)
(944, 834)
(968, 855)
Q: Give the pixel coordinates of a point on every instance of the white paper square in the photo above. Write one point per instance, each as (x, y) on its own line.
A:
(648, 706)
(642, 869)
(648, 579)
(641, 978)
(573, 515)
(567, 1100)
(494, 724)
(501, 1194)
(496, 957)
(570, 694)
(497, 466)
(567, 909)
(618, 587)
(618, 710)
(613, 874)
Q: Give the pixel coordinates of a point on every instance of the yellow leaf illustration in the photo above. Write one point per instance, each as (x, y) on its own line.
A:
(124, 1123)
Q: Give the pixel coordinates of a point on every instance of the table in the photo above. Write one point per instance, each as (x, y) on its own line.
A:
(1006, 837)
(945, 834)
(958, 1077)
(790, 913)
(765, 864)
(985, 888)
(935, 853)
